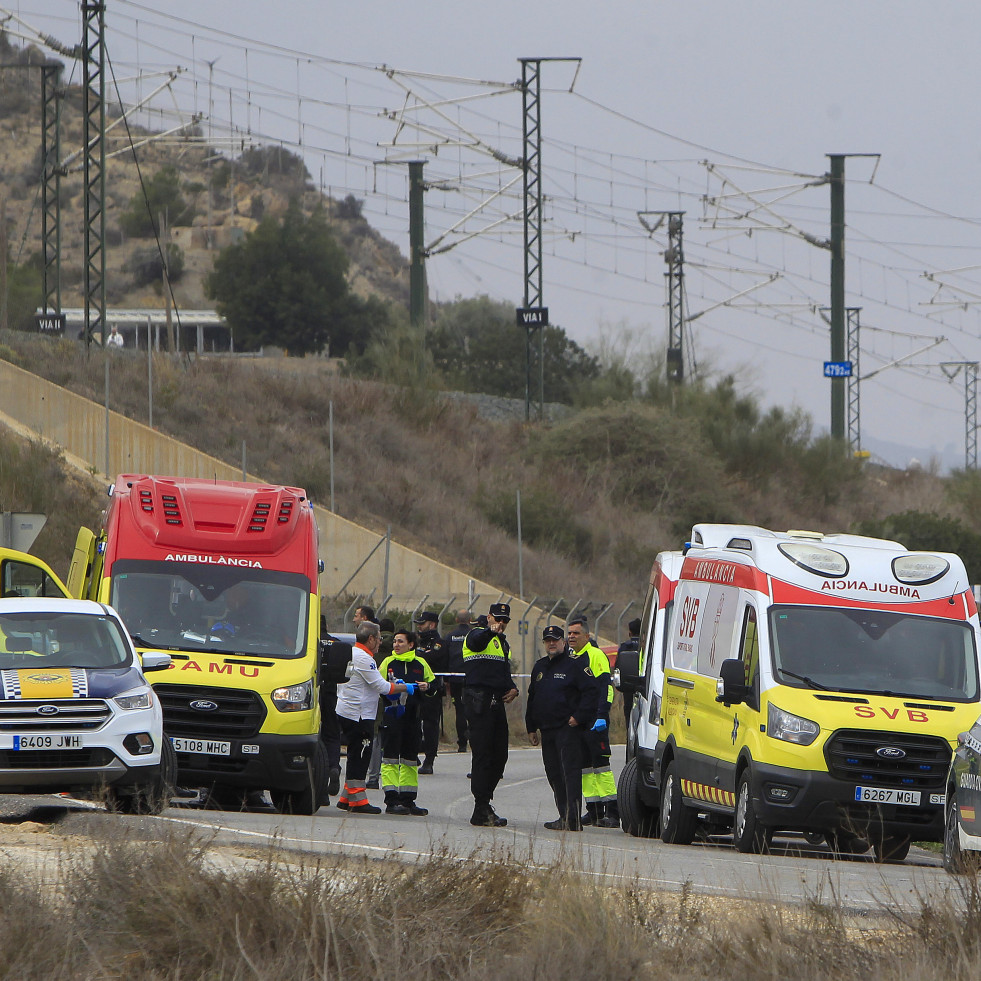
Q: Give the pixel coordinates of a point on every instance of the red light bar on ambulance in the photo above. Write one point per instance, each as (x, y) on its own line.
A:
(918, 570)
(814, 558)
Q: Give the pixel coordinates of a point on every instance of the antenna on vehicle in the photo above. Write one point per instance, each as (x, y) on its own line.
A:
(953, 594)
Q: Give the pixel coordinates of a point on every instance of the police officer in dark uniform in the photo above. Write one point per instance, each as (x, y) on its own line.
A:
(488, 688)
(454, 685)
(430, 647)
(562, 699)
(631, 645)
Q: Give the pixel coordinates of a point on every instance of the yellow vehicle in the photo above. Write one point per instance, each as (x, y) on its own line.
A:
(814, 683)
(225, 577)
(26, 575)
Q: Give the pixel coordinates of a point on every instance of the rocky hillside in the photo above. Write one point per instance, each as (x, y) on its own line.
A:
(225, 198)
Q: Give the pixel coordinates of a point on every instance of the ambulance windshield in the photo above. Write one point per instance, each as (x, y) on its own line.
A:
(199, 606)
(874, 652)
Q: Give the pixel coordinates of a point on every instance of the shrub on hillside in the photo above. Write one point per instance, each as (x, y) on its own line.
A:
(160, 195)
(650, 459)
(923, 532)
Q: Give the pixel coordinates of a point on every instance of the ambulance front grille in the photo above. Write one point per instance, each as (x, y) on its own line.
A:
(238, 714)
(854, 755)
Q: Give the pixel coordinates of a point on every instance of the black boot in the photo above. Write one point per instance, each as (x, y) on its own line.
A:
(484, 816)
(611, 816)
(592, 815)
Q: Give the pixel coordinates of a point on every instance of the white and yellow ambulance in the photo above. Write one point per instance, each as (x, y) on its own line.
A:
(812, 683)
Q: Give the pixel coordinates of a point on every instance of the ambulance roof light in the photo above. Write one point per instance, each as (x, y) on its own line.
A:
(917, 569)
(799, 533)
(814, 558)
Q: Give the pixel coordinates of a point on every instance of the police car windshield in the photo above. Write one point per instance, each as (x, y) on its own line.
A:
(874, 652)
(199, 607)
(61, 640)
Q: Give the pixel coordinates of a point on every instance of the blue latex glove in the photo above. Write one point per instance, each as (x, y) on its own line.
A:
(599, 726)
(410, 688)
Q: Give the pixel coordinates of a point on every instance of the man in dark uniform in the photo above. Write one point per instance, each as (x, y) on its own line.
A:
(488, 688)
(562, 698)
(333, 654)
(454, 643)
(430, 647)
(631, 644)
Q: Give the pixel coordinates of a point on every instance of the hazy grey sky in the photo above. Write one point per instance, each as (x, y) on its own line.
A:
(714, 108)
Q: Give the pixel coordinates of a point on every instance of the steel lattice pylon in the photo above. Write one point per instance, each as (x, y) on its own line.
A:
(853, 394)
(971, 415)
(531, 102)
(674, 256)
(51, 185)
(94, 125)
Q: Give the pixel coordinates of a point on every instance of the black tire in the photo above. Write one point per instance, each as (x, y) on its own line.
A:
(637, 818)
(306, 801)
(844, 844)
(814, 838)
(956, 860)
(891, 848)
(748, 834)
(678, 821)
(152, 797)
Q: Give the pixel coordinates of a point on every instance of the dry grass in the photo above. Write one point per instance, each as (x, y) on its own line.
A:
(171, 909)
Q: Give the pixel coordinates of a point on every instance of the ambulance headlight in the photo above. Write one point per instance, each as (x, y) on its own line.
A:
(140, 699)
(293, 698)
(790, 728)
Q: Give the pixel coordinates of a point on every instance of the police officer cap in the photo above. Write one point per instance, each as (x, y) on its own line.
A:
(552, 633)
(500, 611)
(426, 617)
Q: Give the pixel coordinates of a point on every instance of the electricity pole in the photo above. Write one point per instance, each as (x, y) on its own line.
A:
(674, 256)
(533, 315)
(417, 246)
(94, 127)
(951, 369)
(837, 179)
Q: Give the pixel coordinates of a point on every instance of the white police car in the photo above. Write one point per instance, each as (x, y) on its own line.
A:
(962, 835)
(76, 712)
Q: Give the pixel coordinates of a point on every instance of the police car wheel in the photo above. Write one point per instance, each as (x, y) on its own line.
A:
(748, 835)
(956, 860)
(638, 818)
(152, 797)
(678, 822)
(891, 848)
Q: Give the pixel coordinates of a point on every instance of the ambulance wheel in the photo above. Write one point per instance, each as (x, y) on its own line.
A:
(748, 835)
(678, 822)
(152, 797)
(307, 800)
(891, 848)
(842, 843)
(638, 818)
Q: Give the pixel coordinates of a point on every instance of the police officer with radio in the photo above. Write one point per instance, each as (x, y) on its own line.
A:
(488, 688)
(562, 700)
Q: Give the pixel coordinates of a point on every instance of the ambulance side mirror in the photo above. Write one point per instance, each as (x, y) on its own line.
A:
(626, 675)
(731, 687)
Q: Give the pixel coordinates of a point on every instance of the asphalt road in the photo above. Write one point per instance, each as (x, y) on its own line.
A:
(794, 871)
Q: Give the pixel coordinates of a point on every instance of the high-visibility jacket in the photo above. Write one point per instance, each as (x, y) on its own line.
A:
(487, 660)
(599, 664)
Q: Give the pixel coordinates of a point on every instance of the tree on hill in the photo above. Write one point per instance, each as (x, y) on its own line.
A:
(285, 284)
(162, 197)
(478, 347)
(24, 292)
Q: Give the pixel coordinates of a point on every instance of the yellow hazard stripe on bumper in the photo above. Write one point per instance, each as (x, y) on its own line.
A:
(702, 791)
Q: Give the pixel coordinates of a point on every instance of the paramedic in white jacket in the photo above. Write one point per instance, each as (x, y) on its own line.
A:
(357, 704)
